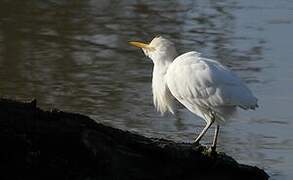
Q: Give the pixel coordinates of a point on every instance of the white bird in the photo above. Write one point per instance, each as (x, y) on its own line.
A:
(204, 86)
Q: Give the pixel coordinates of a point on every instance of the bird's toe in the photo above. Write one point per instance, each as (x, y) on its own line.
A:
(212, 151)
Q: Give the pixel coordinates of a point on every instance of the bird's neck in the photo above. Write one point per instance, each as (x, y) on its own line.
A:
(161, 67)
(163, 100)
(160, 70)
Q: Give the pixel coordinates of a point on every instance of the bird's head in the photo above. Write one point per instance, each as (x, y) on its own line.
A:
(159, 49)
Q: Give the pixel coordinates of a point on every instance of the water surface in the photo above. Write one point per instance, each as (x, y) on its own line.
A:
(73, 55)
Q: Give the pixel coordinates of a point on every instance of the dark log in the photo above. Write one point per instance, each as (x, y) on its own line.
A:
(37, 144)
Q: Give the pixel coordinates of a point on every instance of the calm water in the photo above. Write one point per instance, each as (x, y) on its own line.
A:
(73, 55)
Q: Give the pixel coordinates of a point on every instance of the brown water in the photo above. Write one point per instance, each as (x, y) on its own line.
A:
(73, 55)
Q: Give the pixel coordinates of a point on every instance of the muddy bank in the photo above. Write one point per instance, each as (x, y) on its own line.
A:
(37, 144)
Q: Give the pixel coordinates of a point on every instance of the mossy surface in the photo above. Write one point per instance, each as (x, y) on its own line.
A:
(37, 144)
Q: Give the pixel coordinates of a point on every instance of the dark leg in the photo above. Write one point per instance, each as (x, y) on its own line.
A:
(214, 146)
(204, 131)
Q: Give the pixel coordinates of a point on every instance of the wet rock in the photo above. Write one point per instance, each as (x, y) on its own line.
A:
(37, 144)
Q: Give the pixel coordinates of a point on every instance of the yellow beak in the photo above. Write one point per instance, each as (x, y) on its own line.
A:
(141, 45)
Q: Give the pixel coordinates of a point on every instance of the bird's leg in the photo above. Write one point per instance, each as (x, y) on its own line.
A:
(204, 131)
(214, 146)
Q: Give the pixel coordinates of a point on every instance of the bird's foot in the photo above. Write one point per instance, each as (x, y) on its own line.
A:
(211, 152)
(213, 149)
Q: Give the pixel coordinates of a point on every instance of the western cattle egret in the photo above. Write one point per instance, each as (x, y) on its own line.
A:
(204, 86)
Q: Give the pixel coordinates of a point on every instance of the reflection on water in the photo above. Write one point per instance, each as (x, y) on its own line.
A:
(74, 55)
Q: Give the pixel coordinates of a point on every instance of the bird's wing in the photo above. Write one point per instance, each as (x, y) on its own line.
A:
(207, 83)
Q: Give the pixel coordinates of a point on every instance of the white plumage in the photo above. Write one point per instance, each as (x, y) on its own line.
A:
(209, 86)
(204, 86)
